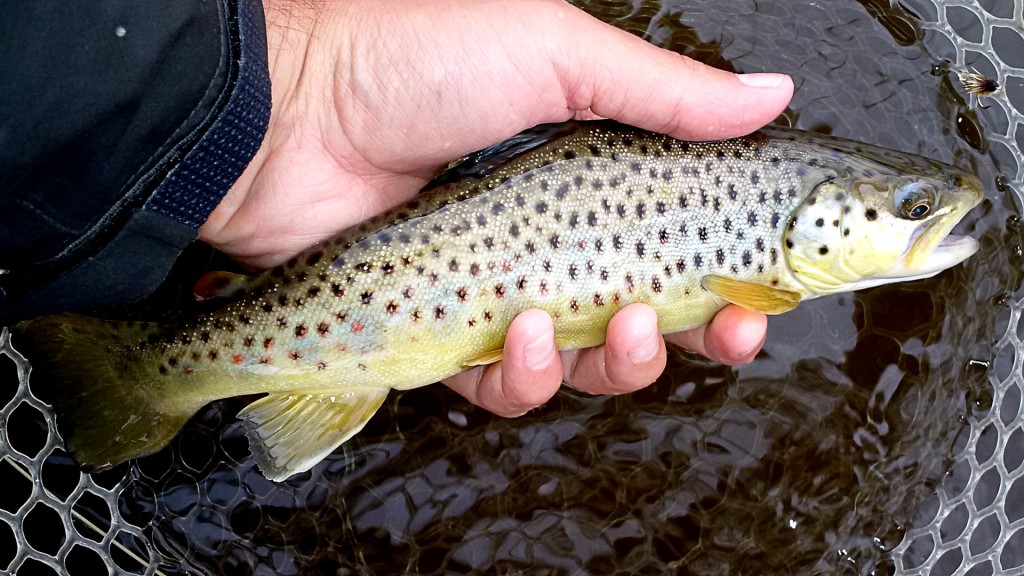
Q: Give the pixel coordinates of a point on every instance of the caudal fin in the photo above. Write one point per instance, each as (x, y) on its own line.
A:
(111, 404)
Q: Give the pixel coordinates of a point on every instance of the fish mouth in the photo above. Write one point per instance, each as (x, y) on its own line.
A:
(933, 249)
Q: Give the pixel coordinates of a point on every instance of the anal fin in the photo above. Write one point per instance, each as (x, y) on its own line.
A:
(751, 295)
(489, 357)
(291, 433)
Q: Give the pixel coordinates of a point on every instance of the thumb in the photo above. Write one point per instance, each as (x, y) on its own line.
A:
(619, 76)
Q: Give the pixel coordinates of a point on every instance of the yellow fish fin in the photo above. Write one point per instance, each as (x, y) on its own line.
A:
(489, 357)
(291, 433)
(751, 295)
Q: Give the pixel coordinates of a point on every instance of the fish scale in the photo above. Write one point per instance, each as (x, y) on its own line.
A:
(576, 219)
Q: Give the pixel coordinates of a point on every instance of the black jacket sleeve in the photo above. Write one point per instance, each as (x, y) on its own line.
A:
(122, 125)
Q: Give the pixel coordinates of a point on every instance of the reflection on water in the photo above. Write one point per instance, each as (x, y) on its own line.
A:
(816, 457)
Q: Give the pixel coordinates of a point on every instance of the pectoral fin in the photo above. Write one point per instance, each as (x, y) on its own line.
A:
(484, 359)
(751, 295)
(291, 433)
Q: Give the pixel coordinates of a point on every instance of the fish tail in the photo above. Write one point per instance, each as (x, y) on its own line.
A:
(111, 404)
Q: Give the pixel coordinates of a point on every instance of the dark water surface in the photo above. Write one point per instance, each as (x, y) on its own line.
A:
(818, 457)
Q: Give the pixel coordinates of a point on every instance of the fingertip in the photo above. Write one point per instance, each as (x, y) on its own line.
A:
(735, 335)
(530, 371)
(634, 354)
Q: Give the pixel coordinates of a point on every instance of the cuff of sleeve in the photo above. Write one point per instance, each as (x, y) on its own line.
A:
(137, 258)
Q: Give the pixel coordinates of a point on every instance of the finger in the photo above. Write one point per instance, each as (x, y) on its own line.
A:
(632, 357)
(734, 336)
(528, 375)
(617, 75)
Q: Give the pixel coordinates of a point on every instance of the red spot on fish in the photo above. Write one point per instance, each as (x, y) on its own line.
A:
(237, 358)
(506, 266)
(188, 370)
(268, 343)
(357, 326)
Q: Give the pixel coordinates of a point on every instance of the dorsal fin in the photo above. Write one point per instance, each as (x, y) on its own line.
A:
(480, 164)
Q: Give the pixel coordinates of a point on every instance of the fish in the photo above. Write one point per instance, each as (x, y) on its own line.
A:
(578, 219)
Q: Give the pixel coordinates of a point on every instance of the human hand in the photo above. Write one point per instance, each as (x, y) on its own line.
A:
(372, 98)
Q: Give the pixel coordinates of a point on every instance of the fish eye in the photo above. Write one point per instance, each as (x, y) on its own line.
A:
(914, 201)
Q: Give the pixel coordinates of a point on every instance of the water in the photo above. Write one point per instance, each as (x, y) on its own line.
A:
(817, 458)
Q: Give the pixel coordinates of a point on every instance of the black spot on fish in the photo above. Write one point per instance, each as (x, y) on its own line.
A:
(541, 207)
(789, 243)
(702, 233)
(497, 208)
(748, 259)
(640, 248)
(732, 192)
(823, 250)
(871, 214)
(663, 236)
(163, 370)
(680, 265)
(282, 321)
(776, 217)
(569, 154)
(572, 271)
(574, 305)
(439, 312)
(846, 231)
(835, 223)
(698, 260)
(453, 266)
(366, 297)
(481, 220)
(683, 201)
(578, 182)
(295, 355)
(554, 241)
(268, 343)
(717, 204)
(474, 269)
(641, 208)
(462, 293)
(313, 258)
(323, 328)
(819, 222)
(574, 220)
(282, 299)
(656, 284)
(755, 178)
(300, 330)
(408, 292)
(617, 241)
(621, 210)
(604, 274)
(629, 283)
(775, 256)
(727, 224)
(521, 283)
(720, 256)
(547, 265)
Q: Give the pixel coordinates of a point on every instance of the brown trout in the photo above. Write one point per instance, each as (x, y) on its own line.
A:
(577, 219)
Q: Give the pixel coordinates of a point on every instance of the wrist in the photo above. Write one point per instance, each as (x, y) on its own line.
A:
(289, 29)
